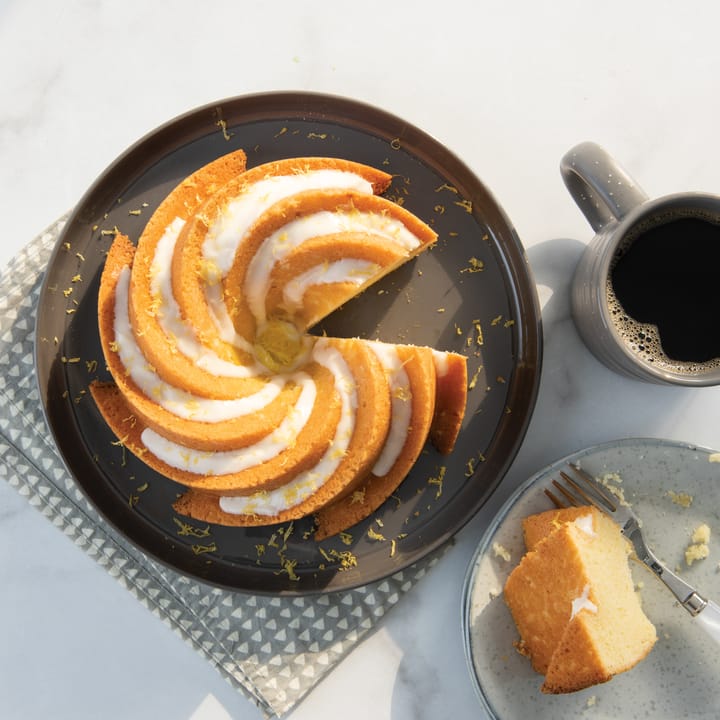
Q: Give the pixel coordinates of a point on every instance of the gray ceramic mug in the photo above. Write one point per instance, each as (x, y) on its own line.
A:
(622, 215)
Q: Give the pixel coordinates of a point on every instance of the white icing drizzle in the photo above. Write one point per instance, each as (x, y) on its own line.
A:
(280, 243)
(441, 362)
(401, 409)
(583, 603)
(221, 317)
(348, 270)
(173, 399)
(232, 461)
(307, 483)
(232, 224)
(171, 320)
(585, 523)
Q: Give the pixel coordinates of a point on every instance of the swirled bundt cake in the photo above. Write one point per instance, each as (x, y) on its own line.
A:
(216, 382)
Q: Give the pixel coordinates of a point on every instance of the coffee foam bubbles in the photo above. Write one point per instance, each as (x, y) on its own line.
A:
(643, 339)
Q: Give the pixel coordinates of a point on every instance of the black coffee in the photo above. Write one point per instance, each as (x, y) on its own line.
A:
(666, 279)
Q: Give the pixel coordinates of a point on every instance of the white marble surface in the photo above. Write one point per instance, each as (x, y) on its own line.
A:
(507, 86)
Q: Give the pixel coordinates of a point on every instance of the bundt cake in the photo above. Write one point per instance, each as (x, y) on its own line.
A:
(573, 601)
(216, 383)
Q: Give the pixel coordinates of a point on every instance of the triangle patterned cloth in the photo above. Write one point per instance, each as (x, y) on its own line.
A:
(273, 649)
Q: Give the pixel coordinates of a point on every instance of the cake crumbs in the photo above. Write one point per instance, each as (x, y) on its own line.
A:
(611, 480)
(346, 538)
(474, 266)
(501, 552)
(699, 548)
(682, 499)
(358, 496)
(496, 320)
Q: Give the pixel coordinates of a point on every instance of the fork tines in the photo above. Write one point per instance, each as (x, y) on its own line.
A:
(575, 494)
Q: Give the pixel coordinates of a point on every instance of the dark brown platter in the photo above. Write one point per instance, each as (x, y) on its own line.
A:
(471, 293)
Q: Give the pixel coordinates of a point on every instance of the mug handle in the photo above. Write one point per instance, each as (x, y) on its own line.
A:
(601, 188)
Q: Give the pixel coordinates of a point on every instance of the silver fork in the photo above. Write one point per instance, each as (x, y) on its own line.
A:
(584, 489)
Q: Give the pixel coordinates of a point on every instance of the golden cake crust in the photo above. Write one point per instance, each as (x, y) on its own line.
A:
(198, 435)
(183, 202)
(371, 426)
(309, 447)
(371, 494)
(450, 402)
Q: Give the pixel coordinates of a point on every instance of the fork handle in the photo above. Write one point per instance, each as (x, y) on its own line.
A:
(706, 612)
(709, 619)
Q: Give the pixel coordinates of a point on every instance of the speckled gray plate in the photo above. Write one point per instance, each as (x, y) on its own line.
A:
(679, 678)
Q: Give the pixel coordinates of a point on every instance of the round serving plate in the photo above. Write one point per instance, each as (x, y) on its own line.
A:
(471, 293)
(679, 676)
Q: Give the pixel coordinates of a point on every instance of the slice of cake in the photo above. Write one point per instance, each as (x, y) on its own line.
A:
(574, 604)
(537, 527)
(411, 374)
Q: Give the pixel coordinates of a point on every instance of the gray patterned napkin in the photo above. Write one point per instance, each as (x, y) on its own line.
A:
(274, 649)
